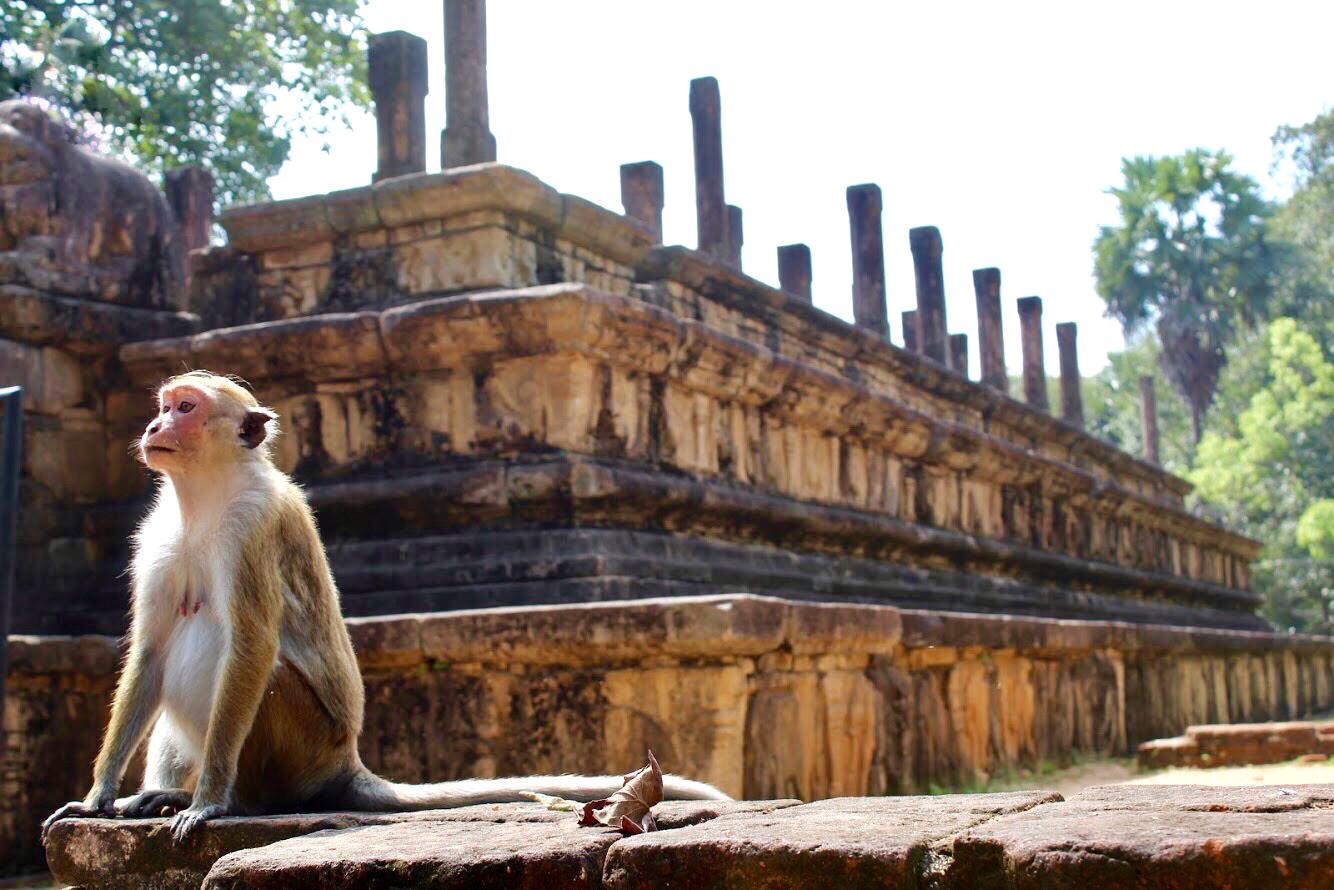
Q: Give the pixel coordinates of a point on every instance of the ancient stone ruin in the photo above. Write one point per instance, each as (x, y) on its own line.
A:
(794, 558)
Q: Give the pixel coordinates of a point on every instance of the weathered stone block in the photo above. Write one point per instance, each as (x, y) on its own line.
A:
(845, 842)
(52, 379)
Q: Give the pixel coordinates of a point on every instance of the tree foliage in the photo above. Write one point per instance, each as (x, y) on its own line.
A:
(1190, 256)
(1305, 224)
(1272, 475)
(222, 83)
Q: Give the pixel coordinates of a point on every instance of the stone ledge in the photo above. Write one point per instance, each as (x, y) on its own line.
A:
(729, 286)
(458, 331)
(1239, 744)
(421, 197)
(84, 327)
(1106, 837)
(694, 627)
(129, 853)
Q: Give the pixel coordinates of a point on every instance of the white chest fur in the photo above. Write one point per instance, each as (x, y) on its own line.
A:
(194, 653)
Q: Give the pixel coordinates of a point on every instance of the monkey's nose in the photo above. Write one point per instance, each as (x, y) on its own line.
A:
(154, 427)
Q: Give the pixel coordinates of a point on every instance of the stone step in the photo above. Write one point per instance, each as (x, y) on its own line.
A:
(1142, 836)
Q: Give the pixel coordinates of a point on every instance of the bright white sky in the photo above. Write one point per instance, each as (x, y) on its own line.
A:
(1001, 123)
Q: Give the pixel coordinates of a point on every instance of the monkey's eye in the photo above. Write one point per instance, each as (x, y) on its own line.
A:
(185, 407)
(165, 409)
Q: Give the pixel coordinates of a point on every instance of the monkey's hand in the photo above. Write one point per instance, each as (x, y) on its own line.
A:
(97, 803)
(183, 824)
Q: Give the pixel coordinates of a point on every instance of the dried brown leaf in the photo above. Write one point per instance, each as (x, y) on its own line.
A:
(632, 804)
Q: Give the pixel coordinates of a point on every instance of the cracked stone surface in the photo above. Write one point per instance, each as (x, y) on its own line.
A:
(844, 842)
(1148, 837)
(133, 853)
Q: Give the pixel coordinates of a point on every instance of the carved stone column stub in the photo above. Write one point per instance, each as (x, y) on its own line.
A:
(642, 195)
(1072, 399)
(736, 236)
(399, 82)
(912, 340)
(990, 336)
(1148, 418)
(868, 259)
(467, 137)
(189, 190)
(928, 270)
(959, 353)
(794, 270)
(710, 202)
(1035, 371)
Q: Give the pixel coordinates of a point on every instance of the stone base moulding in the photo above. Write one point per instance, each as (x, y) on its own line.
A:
(1105, 837)
(764, 697)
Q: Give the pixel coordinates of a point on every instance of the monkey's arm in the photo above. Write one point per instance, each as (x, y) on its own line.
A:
(138, 698)
(254, 612)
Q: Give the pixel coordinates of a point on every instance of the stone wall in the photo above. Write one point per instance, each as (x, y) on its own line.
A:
(764, 697)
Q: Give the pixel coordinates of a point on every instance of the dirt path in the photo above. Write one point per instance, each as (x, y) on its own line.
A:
(1115, 772)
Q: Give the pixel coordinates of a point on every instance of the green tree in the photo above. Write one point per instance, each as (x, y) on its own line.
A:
(1272, 475)
(1190, 257)
(1305, 287)
(166, 82)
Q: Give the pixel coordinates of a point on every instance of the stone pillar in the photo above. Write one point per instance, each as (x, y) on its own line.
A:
(710, 205)
(959, 353)
(467, 137)
(1035, 371)
(912, 340)
(1072, 400)
(736, 236)
(794, 270)
(642, 195)
(189, 191)
(990, 340)
(927, 268)
(868, 259)
(399, 83)
(1148, 419)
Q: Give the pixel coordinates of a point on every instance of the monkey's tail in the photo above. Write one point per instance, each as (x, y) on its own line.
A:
(369, 792)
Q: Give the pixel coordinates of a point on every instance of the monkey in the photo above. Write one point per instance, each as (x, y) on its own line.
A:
(239, 667)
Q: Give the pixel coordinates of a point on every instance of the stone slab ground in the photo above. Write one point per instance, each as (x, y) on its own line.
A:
(1114, 836)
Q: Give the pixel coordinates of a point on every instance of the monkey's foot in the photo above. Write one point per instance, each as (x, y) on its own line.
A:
(101, 806)
(157, 802)
(183, 824)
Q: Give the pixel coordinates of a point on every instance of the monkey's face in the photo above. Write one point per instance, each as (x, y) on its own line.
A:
(176, 436)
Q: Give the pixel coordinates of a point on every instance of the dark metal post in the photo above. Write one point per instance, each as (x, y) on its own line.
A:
(710, 204)
(1035, 369)
(11, 448)
(959, 353)
(794, 270)
(912, 339)
(928, 270)
(467, 137)
(990, 339)
(642, 195)
(1148, 419)
(868, 259)
(399, 83)
(736, 236)
(1072, 400)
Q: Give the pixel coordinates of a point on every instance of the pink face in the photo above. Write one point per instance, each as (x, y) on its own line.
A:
(177, 432)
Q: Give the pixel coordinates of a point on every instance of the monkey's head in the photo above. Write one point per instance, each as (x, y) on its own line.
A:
(204, 418)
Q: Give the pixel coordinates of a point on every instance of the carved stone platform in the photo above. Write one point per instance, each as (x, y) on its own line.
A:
(1105, 837)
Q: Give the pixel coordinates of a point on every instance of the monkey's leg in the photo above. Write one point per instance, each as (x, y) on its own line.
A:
(168, 776)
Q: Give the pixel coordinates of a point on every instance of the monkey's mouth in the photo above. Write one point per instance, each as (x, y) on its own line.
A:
(150, 449)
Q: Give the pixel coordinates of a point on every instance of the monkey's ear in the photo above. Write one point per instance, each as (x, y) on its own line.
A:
(254, 428)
